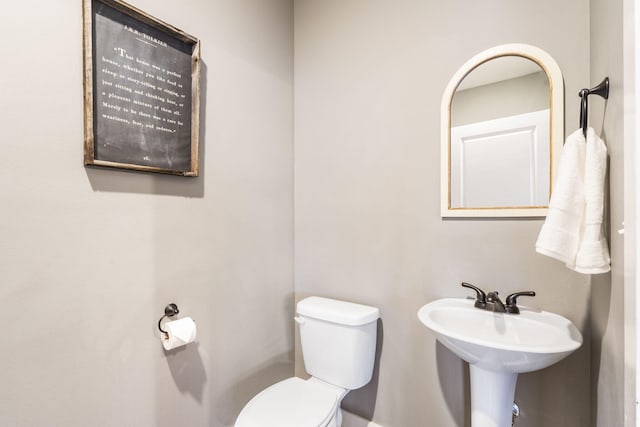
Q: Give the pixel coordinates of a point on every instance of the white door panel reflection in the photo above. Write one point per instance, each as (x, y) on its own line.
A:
(501, 163)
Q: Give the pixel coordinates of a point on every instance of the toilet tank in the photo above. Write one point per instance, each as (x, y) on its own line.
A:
(338, 340)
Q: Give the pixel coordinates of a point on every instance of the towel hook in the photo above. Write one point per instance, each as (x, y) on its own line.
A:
(601, 90)
(169, 311)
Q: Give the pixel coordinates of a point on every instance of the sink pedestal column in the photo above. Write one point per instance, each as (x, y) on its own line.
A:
(492, 395)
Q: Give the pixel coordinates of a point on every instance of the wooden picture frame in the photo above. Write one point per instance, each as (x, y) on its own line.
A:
(141, 91)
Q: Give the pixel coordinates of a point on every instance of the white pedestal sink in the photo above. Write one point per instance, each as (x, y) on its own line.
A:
(498, 347)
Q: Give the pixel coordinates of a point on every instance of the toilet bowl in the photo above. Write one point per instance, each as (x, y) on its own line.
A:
(294, 402)
(338, 346)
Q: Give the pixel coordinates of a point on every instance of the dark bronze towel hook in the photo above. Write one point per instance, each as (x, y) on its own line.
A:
(602, 90)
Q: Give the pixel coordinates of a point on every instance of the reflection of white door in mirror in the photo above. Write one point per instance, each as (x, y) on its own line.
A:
(502, 132)
(501, 162)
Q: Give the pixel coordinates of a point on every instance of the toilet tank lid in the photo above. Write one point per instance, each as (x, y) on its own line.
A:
(341, 312)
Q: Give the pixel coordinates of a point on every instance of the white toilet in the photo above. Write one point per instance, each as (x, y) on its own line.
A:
(338, 345)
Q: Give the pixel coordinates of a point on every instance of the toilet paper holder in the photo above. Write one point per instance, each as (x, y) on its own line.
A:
(169, 311)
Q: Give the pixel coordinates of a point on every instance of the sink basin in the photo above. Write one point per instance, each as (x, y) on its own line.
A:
(502, 342)
(498, 347)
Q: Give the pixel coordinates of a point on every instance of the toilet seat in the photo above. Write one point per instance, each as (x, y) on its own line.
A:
(293, 402)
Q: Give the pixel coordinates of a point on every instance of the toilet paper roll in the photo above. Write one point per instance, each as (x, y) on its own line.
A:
(179, 332)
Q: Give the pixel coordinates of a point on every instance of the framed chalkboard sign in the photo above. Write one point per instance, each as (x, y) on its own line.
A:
(141, 91)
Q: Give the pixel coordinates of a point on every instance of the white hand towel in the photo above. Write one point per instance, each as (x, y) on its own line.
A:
(593, 252)
(560, 235)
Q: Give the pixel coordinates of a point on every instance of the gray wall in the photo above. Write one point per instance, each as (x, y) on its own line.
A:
(368, 86)
(608, 299)
(89, 258)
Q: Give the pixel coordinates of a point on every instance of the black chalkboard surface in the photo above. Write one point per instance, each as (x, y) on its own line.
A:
(141, 91)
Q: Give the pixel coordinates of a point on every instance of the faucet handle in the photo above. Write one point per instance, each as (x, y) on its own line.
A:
(511, 306)
(481, 297)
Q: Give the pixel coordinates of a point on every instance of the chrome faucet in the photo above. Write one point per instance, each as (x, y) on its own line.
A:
(491, 301)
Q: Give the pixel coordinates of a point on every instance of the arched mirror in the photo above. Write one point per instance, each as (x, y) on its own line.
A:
(502, 133)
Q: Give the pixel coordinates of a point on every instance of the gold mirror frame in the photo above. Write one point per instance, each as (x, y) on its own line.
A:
(556, 127)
